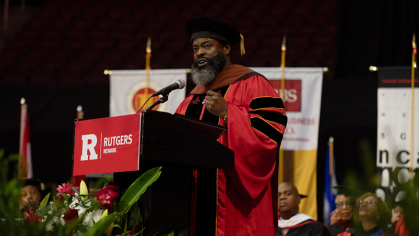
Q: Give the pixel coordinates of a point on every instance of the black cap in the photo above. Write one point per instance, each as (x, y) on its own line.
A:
(303, 196)
(35, 182)
(204, 27)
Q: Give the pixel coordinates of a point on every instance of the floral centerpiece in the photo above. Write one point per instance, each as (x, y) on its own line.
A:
(72, 212)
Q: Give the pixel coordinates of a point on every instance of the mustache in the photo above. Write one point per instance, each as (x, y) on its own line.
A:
(195, 63)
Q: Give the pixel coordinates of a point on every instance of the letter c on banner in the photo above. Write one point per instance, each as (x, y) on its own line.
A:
(86, 146)
(399, 157)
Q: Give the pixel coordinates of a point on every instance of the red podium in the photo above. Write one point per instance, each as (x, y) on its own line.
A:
(136, 143)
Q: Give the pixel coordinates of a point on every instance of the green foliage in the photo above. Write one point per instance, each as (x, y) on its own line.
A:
(10, 192)
(126, 219)
(369, 180)
(43, 205)
(102, 225)
(137, 188)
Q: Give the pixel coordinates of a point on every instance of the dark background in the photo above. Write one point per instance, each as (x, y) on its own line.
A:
(367, 33)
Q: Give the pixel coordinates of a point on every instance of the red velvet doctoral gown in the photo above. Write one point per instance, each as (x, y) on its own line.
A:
(243, 200)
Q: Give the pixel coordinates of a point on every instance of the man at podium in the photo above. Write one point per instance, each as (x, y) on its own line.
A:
(242, 200)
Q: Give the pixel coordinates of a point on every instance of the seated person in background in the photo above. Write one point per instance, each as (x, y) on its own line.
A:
(398, 224)
(397, 212)
(291, 222)
(31, 192)
(374, 215)
(345, 202)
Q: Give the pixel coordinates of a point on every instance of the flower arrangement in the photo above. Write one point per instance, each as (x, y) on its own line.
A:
(72, 211)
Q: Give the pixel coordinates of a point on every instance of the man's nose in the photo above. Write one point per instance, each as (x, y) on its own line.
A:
(200, 52)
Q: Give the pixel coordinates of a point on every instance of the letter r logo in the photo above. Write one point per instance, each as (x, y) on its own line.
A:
(86, 146)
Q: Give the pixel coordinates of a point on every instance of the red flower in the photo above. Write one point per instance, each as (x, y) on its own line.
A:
(113, 191)
(70, 215)
(125, 234)
(105, 197)
(31, 216)
(64, 188)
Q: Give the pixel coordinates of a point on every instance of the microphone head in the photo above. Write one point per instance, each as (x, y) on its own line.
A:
(181, 83)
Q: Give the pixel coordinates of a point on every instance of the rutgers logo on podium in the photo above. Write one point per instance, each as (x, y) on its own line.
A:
(89, 142)
(107, 145)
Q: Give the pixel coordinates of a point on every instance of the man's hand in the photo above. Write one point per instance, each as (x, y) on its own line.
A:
(216, 104)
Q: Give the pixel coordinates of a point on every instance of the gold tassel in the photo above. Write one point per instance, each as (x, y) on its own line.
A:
(242, 51)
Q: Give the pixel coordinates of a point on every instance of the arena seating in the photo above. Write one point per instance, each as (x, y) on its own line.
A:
(71, 42)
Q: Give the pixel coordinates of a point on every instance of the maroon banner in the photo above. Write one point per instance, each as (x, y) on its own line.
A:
(107, 145)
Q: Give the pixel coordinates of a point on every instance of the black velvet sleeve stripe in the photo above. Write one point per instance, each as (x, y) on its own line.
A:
(266, 102)
(266, 129)
(272, 116)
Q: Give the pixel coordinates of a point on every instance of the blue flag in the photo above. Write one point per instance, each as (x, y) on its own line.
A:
(329, 181)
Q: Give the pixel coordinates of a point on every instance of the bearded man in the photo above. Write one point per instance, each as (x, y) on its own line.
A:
(242, 200)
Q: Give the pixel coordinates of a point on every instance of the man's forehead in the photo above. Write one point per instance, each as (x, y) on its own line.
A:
(202, 40)
(284, 187)
(29, 187)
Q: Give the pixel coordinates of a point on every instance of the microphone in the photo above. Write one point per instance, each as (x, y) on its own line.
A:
(179, 84)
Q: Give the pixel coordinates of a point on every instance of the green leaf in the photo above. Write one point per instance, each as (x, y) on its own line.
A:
(126, 232)
(158, 231)
(117, 226)
(139, 217)
(137, 188)
(102, 225)
(44, 202)
(65, 195)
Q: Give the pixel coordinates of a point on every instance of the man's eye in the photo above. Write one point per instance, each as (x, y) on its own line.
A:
(206, 46)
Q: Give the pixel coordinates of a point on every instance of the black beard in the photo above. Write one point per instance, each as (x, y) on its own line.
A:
(205, 75)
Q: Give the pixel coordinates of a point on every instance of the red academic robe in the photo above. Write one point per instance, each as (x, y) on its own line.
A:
(246, 197)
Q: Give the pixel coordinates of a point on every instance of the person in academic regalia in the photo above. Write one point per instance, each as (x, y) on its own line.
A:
(291, 221)
(374, 216)
(345, 204)
(31, 194)
(242, 200)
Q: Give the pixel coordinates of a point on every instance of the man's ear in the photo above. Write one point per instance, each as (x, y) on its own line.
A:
(227, 49)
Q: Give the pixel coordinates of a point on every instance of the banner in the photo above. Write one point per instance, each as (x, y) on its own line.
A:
(394, 112)
(107, 145)
(128, 90)
(303, 88)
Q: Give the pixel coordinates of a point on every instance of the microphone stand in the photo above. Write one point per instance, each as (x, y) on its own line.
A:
(161, 100)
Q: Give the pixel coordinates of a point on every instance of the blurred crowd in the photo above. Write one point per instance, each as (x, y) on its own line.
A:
(356, 214)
